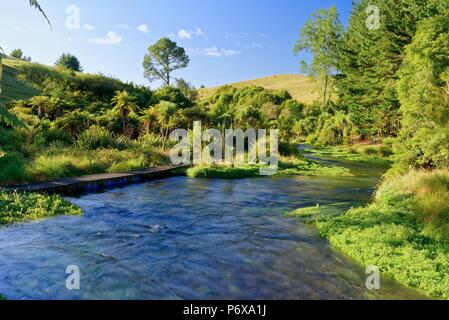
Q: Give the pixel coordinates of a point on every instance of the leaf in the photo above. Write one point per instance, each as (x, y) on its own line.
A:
(35, 4)
(8, 119)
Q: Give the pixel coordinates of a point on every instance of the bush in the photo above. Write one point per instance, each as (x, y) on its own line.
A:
(129, 165)
(55, 136)
(385, 151)
(96, 138)
(23, 207)
(13, 169)
(289, 149)
(432, 193)
(150, 140)
(370, 151)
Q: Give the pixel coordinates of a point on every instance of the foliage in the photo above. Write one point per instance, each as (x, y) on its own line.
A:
(288, 166)
(423, 93)
(31, 206)
(321, 36)
(187, 89)
(162, 59)
(70, 62)
(374, 155)
(404, 232)
(96, 138)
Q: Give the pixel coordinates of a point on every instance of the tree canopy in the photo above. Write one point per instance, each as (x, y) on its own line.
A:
(70, 62)
(162, 59)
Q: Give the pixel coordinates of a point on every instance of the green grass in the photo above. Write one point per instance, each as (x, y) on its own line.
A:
(405, 232)
(12, 87)
(58, 162)
(17, 207)
(287, 167)
(376, 155)
(301, 88)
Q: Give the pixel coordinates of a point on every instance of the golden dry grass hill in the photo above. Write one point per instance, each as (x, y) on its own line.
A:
(301, 88)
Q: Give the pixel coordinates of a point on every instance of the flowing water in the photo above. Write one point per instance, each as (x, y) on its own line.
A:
(183, 238)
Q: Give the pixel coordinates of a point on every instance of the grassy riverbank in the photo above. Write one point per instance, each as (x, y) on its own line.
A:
(60, 162)
(287, 166)
(376, 155)
(17, 207)
(405, 231)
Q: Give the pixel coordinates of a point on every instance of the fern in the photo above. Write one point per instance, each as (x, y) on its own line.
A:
(8, 119)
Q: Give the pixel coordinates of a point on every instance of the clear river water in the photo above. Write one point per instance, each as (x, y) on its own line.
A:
(183, 238)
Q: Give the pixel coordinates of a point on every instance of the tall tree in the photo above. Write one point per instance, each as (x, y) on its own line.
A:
(321, 36)
(162, 59)
(370, 58)
(17, 53)
(424, 95)
(70, 62)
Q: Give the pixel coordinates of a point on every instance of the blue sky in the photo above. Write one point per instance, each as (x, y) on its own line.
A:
(227, 41)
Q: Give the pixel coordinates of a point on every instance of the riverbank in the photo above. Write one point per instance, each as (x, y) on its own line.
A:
(288, 166)
(378, 155)
(404, 231)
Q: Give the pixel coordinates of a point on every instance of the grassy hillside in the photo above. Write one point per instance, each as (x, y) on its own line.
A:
(12, 88)
(302, 88)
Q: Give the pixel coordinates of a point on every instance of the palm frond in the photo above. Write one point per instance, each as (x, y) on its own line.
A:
(35, 4)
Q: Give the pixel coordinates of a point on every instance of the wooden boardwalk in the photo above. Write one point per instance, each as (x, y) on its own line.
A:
(97, 181)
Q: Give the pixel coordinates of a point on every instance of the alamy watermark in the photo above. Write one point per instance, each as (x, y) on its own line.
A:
(234, 147)
(72, 282)
(372, 22)
(373, 280)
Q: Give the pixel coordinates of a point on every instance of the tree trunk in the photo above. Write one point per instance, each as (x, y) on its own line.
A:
(326, 81)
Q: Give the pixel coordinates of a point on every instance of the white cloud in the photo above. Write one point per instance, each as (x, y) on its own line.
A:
(143, 28)
(110, 38)
(215, 52)
(88, 27)
(122, 26)
(256, 45)
(189, 34)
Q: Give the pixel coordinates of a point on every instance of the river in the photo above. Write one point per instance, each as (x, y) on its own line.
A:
(183, 238)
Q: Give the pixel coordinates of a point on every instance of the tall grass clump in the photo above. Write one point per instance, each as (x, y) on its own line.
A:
(13, 168)
(129, 165)
(430, 193)
(96, 138)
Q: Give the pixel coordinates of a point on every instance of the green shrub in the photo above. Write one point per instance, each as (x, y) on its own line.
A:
(95, 138)
(13, 169)
(52, 167)
(150, 140)
(289, 149)
(370, 151)
(129, 165)
(432, 194)
(385, 151)
(54, 135)
(30, 206)
(223, 172)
